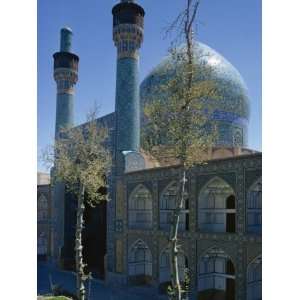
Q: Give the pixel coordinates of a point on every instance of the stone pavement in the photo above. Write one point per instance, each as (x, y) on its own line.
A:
(98, 290)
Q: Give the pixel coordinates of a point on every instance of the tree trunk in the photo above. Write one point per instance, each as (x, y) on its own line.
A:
(173, 242)
(80, 277)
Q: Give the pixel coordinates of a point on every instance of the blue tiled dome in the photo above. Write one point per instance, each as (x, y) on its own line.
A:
(232, 110)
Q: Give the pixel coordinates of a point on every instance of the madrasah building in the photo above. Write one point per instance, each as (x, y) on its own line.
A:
(125, 239)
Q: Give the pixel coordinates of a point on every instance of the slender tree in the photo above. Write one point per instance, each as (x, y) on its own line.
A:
(82, 162)
(179, 118)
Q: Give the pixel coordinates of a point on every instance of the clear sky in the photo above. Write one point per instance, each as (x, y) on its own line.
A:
(231, 27)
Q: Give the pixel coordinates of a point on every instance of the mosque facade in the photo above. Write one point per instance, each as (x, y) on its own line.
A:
(220, 227)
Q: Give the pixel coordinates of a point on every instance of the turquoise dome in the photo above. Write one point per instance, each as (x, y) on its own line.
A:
(231, 112)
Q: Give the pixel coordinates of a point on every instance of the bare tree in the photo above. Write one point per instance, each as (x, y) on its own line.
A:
(180, 119)
(82, 162)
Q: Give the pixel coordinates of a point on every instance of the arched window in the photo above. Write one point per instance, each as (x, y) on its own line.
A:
(254, 280)
(42, 208)
(140, 263)
(42, 244)
(216, 276)
(140, 208)
(254, 204)
(217, 207)
(42, 202)
(168, 202)
(164, 266)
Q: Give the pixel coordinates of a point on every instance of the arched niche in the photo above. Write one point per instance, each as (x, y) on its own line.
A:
(140, 208)
(164, 269)
(216, 276)
(254, 205)
(168, 201)
(42, 244)
(139, 263)
(42, 202)
(254, 279)
(217, 207)
(42, 208)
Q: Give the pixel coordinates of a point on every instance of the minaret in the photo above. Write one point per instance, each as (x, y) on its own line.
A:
(128, 32)
(66, 76)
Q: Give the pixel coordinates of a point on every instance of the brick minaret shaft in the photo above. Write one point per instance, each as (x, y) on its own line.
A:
(66, 76)
(128, 32)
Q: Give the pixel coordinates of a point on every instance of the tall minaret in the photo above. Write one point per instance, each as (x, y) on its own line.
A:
(66, 76)
(128, 32)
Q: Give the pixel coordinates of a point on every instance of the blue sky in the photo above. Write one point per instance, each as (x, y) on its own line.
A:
(231, 27)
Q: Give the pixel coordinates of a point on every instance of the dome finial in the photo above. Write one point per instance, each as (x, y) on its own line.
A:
(128, 1)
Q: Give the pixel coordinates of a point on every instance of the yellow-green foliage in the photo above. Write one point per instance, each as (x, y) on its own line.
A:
(180, 117)
(80, 158)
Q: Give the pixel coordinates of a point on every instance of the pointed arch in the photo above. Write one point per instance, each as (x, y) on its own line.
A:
(216, 275)
(254, 206)
(167, 203)
(42, 202)
(139, 263)
(254, 279)
(164, 265)
(217, 207)
(140, 208)
(42, 207)
(42, 244)
(168, 196)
